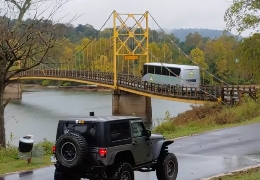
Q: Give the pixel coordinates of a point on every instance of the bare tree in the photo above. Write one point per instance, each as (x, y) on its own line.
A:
(25, 43)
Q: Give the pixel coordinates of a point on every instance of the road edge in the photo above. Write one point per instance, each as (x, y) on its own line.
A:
(23, 171)
(219, 129)
(205, 132)
(231, 172)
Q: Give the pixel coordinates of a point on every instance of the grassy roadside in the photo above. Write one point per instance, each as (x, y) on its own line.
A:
(209, 117)
(250, 174)
(21, 165)
(10, 163)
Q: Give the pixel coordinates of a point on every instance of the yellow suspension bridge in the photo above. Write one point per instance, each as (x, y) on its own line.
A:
(114, 58)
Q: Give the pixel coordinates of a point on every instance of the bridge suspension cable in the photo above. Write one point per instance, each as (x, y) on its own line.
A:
(186, 80)
(107, 50)
(157, 59)
(95, 34)
(92, 39)
(186, 54)
(100, 47)
(85, 46)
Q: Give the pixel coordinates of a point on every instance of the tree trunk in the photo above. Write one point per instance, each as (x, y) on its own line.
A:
(2, 111)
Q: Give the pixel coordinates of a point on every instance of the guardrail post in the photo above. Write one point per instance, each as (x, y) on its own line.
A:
(239, 97)
(232, 96)
(222, 94)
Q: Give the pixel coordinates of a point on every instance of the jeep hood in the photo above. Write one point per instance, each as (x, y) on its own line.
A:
(157, 136)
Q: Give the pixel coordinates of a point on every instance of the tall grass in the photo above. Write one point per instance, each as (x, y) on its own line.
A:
(10, 153)
(209, 115)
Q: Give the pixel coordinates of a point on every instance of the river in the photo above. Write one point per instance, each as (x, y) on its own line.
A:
(40, 110)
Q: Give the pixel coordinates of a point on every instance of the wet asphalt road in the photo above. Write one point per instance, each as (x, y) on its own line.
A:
(199, 156)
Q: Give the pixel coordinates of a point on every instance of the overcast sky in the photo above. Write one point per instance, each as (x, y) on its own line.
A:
(169, 13)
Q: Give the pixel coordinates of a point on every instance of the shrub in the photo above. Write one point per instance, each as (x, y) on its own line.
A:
(46, 145)
(67, 84)
(165, 125)
(46, 82)
(11, 152)
(210, 115)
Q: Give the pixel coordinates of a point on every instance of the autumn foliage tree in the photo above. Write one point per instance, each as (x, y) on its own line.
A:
(199, 58)
(28, 43)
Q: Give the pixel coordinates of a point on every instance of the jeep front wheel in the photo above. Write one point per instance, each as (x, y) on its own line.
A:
(167, 167)
(124, 172)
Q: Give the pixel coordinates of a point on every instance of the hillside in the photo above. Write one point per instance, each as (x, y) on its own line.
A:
(211, 33)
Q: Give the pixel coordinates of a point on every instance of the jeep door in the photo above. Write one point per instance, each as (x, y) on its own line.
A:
(140, 148)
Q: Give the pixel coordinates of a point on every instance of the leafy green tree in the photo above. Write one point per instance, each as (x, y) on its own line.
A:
(248, 53)
(243, 15)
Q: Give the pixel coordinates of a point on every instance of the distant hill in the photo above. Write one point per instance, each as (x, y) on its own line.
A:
(211, 33)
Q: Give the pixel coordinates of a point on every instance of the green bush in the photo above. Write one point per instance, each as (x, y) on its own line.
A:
(165, 125)
(46, 82)
(46, 145)
(208, 116)
(11, 152)
(67, 84)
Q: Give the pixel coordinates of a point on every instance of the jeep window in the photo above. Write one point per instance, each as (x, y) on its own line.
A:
(119, 131)
(138, 129)
(88, 130)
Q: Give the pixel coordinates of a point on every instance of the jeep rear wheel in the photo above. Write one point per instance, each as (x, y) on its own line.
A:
(124, 172)
(71, 150)
(167, 167)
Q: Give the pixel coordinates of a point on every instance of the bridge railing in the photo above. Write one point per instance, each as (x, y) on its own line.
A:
(228, 94)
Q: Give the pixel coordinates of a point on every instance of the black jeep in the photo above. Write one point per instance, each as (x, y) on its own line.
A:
(102, 148)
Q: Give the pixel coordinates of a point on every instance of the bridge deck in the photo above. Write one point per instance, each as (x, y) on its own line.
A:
(134, 84)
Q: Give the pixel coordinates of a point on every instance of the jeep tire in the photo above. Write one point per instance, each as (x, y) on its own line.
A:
(124, 172)
(71, 150)
(167, 167)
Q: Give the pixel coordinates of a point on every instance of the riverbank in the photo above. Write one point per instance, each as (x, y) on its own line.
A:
(211, 116)
(88, 88)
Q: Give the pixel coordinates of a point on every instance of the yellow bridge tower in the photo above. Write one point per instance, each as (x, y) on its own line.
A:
(125, 37)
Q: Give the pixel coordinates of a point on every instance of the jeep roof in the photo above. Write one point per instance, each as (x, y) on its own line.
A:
(103, 118)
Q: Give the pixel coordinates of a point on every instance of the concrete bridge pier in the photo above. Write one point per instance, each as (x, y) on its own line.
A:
(13, 91)
(127, 104)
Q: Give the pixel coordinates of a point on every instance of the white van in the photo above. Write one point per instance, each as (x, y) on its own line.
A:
(183, 75)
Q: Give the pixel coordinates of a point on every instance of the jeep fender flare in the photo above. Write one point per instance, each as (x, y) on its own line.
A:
(112, 158)
(161, 146)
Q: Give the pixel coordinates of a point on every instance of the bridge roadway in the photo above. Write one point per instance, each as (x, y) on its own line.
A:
(199, 156)
(128, 83)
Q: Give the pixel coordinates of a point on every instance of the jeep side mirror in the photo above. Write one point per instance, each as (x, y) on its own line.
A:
(148, 133)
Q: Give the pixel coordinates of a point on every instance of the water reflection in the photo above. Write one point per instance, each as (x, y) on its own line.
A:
(237, 162)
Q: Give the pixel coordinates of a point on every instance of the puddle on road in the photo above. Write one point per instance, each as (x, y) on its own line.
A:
(237, 162)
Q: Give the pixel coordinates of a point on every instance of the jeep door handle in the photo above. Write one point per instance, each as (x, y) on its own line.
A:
(135, 142)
